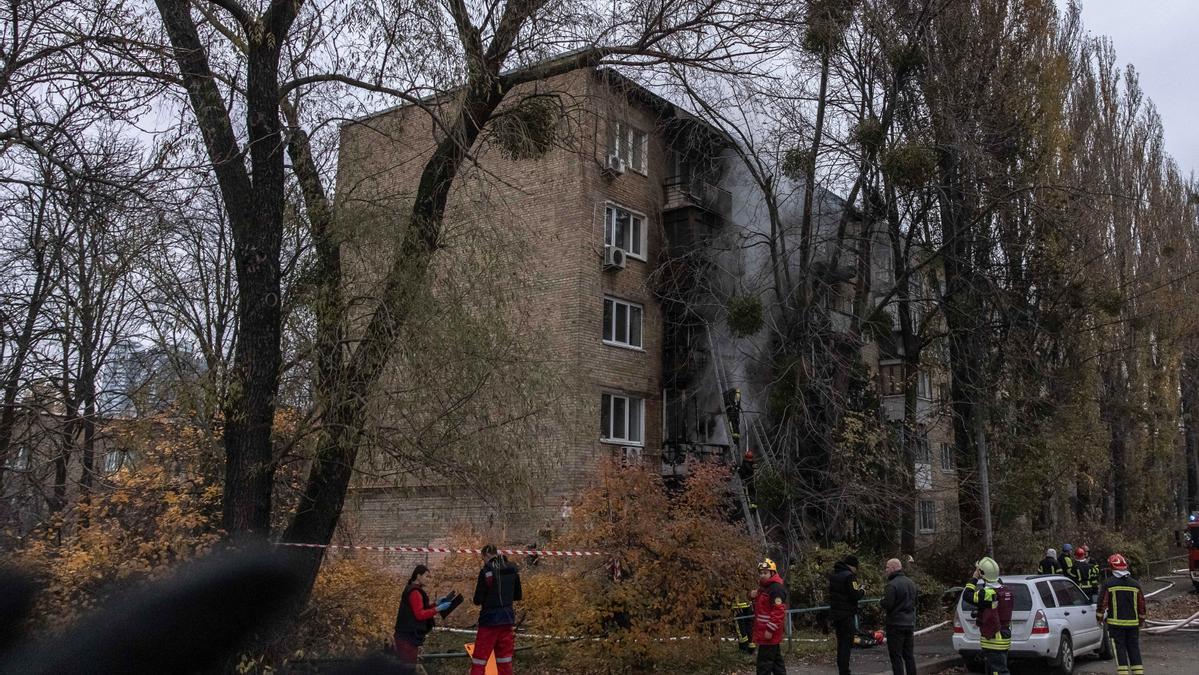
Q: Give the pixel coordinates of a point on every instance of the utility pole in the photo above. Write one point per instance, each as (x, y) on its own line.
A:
(980, 440)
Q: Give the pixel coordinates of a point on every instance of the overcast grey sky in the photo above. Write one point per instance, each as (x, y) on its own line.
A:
(1158, 37)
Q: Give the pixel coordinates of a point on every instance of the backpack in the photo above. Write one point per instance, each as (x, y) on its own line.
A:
(1005, 602)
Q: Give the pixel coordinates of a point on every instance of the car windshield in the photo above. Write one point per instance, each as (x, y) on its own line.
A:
(1021, 598)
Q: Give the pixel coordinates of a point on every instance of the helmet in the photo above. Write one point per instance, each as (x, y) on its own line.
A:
(989, 568)
(767, 565)
(1067, 548)
(1117, 562)
(1080, 552)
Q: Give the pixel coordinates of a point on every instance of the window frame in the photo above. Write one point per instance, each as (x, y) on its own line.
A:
(610, 209)
(948, 461)
(1021, 598)
(607, 409)
(19, 460)
(1069, 588)
(1047, 597)
(610, 322)
(891, 376)
(921, 523)
(923, 451)
(924, 386)
(625, 135)
(121, 458)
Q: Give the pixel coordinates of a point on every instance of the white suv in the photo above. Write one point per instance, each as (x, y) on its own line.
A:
(1052, 619)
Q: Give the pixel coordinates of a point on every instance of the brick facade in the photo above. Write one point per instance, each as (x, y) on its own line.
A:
(553, 208)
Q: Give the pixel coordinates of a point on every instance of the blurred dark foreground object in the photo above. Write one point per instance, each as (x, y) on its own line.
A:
(193, 622)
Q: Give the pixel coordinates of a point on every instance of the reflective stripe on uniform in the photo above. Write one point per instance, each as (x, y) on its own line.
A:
(1120, 614)
(478, 662)
(998, 643)
(503, 659)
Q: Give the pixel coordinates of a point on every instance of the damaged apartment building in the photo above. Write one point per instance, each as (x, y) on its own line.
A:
(635, 227)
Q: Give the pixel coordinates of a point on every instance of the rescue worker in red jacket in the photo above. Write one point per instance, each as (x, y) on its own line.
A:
(994, 604)
(1122, 606)
(414, 619)
(497, 587)
(770, 615)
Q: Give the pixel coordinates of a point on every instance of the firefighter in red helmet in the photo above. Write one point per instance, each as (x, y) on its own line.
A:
(1086, 573)
(1122, 607)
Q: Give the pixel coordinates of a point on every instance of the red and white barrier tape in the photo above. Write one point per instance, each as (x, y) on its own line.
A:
(438, 549)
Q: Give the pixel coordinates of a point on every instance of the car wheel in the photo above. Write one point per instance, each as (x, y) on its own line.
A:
(1105, 647)
(975, 664)
(1064, 663)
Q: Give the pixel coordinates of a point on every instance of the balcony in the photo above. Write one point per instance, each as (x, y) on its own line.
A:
(690, 192)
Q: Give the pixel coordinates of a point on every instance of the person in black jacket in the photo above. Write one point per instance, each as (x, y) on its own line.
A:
(899, 602)
(1049, 564)
(414, 619)
(497, 587)
(844, 592)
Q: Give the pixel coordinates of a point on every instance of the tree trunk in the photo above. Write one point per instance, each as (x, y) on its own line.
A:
(338, 443)
(254, 202)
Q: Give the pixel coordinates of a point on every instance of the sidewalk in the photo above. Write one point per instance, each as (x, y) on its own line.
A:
(934, 652)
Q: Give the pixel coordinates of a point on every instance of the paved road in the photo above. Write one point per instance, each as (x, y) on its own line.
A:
(932, 646)
(1172, 654)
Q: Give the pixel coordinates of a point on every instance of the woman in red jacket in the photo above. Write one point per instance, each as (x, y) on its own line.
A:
(414, 620)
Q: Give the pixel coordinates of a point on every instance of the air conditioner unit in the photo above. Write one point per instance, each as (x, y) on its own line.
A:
(614, 257)
(630, 455)
(615, 165)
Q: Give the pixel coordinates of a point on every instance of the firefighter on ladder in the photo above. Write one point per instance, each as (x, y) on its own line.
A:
(1122, 607)
(745, 471)
(994, 615)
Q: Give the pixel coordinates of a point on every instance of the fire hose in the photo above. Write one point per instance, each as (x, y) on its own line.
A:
(1168, 626)
(1171, 625)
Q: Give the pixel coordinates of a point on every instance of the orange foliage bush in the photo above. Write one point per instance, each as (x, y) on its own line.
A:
(676, 565)
(135, 524)
(351, 611)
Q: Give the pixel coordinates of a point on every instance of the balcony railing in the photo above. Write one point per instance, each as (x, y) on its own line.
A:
(684, 191)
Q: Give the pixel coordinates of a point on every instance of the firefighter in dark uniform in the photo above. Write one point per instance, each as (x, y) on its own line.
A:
(1122, 606)
(745, 471)
(743, 621)
(1086, 573)
(994, 615)
(1066, 561)
(844, 592)
(1049, 564)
